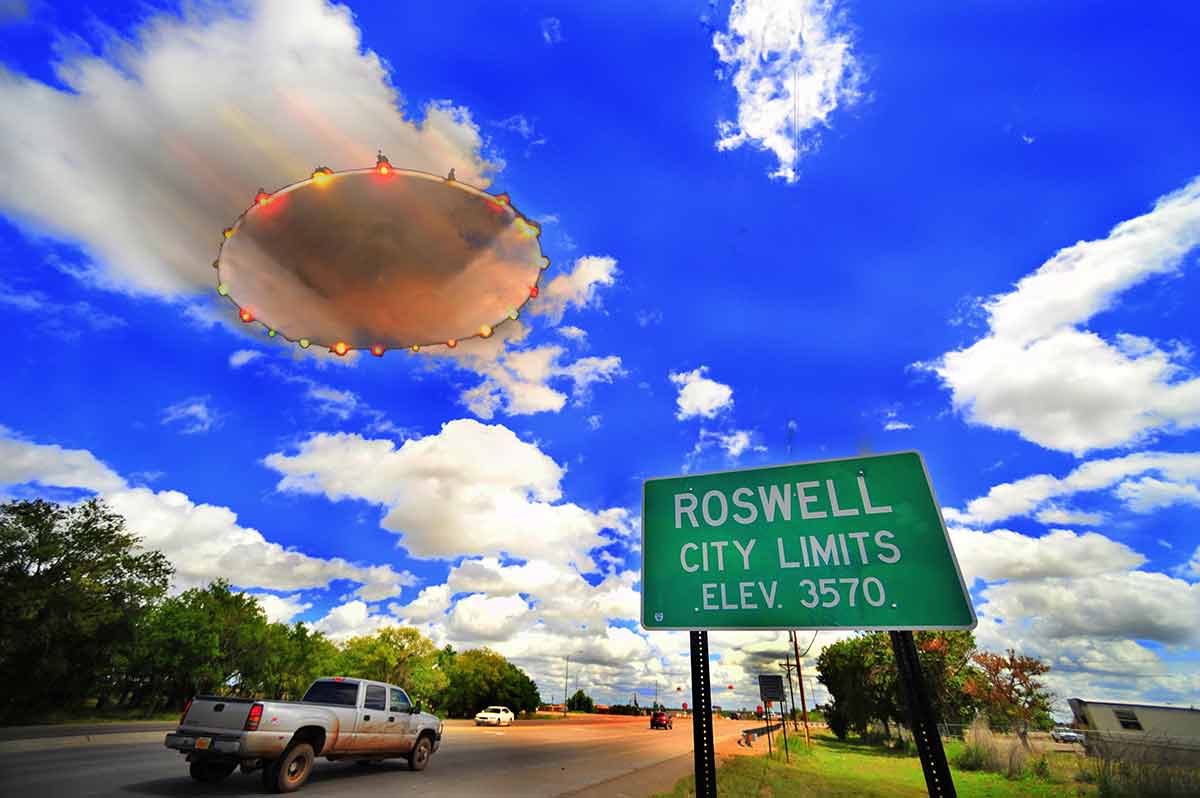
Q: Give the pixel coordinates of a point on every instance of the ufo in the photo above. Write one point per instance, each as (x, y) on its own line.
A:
(379, 259)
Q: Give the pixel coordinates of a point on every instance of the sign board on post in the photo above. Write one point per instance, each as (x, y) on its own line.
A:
(770, 687)
(855, 543)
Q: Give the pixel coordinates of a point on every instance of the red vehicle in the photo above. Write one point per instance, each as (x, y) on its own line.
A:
(661, 720)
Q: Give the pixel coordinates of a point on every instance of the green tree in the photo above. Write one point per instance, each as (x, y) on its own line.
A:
(399, 655)
(75, 587)
(480, 677)
(581, 702)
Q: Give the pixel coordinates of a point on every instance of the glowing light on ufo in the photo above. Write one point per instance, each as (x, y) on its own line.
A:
(380, 258)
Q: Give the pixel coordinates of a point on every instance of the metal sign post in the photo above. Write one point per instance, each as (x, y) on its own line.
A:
(702, 731)
(921, 718)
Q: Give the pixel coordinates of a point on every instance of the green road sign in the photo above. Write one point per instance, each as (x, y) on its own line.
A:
(857, 543)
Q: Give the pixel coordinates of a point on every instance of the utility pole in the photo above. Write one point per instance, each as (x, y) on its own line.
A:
(787, 656)
(566, 674)
(800, 678)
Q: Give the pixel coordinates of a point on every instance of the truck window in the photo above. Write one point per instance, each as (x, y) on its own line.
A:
(341, 694)
(376, 698)
(400, 702)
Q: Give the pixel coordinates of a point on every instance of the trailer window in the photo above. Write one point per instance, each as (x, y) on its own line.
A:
(1127, 719)
(341, 694)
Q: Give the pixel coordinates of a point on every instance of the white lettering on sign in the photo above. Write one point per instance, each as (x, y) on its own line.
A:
(771, 502)
(721, 596)
(683, 558)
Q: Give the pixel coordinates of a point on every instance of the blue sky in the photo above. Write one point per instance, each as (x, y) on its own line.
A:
(983, 248)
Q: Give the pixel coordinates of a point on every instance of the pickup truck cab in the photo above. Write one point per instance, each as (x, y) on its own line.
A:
(338, 718)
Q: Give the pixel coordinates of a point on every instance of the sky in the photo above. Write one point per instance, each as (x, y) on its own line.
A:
(778, 230)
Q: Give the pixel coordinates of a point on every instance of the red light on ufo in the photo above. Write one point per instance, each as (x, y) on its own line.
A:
(246, 316)
(533, 291)
(340, 348)
(377, 350)
(262, 197)
(382, 165)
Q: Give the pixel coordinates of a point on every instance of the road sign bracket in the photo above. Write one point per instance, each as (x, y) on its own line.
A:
(921, 718)
(702, 730)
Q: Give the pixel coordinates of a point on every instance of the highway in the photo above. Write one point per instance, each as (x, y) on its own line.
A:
(587, 758)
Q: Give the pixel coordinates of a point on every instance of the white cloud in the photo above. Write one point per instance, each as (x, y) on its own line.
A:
(895, 426)
(1024, 496)
(699, 396)
(1063, 515)
(594, 422)
(22, 461)
(470, 489)
(203, 541)
(1002, 554)
(572, 333)
(178, 126)
(243, 356)
(551, 30)
(281, 609)
(431, 603)
(1039, 373)
(194, 415)
(480, 617)
(1148, 494)
(578, 288)
(792, 66)
(351, 619)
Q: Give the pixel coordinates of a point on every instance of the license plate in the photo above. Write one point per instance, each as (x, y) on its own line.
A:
(202, 743)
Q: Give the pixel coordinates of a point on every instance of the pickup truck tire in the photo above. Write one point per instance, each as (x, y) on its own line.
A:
(289, 772)
(210, 771)
(418, 758)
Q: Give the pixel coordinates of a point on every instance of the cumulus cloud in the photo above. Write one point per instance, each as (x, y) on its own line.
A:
(203, 541)
(350, 620)
(193, 416)
(281, 609)
(1025, 496)
(470, 489)
(577, 288)
(50, 465)
(1002, 554)
(551, 30)
(699, 396)
(178, 126)
(243, 356)
(480, 617)
(792, 65)
(1148, 494)
(1039, 373)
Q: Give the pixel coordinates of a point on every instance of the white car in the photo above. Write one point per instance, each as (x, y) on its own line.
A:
(494, 716)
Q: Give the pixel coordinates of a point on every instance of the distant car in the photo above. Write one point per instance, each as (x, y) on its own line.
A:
(661, 720)
(1062, 734)
(494, 716)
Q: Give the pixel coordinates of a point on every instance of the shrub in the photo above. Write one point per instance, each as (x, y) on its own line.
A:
(839, 724)
(972, 757)
(1041, 768)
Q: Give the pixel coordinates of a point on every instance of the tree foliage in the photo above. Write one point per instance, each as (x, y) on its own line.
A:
(86, 616)
(580, 702)
(75, 587)
(1007, 687)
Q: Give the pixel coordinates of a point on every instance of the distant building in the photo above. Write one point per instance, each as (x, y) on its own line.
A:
(1139, 732)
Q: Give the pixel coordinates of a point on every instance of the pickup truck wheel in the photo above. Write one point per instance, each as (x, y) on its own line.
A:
(419, 758)
(211, 771)
(290, 771)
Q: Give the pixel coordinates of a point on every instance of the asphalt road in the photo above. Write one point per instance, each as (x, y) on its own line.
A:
(551, 759)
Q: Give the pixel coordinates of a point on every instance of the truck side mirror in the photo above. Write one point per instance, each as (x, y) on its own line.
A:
(415, 708)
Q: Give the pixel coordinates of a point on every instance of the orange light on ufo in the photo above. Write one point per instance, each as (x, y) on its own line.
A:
(377, 350)
(526, 229)
(452, 343)
(322, 175)
(340, 348)
(227, 232)
(261, 198)
(485, 331)
(245, 315)
(382, 165)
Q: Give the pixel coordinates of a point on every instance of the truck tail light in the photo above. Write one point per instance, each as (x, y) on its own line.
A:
(253, 718)
(186, 707)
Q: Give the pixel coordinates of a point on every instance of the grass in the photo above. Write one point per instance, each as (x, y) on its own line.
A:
(849, 769)
(91, 716)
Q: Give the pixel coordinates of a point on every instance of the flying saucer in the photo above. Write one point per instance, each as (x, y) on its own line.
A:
(380, 258)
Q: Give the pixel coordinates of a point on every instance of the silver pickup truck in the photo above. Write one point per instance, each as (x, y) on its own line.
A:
(338, 718)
